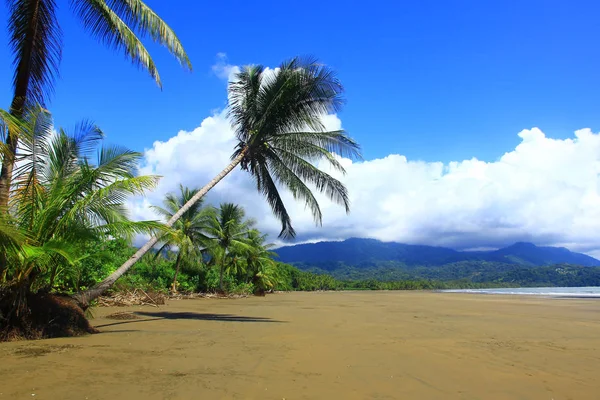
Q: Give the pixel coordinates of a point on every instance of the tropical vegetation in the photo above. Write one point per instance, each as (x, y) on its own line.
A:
(465, 274)
(63, 220)
(53, 199)
(188, 233)
(278, 120)
(66, 212)
(61, 202)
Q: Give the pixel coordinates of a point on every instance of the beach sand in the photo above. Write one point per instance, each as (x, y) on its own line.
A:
(348, 345)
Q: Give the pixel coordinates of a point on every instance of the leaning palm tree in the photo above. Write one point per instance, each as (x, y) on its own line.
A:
(188, 233)
(228, 231)
(277, 117)
(35, 40)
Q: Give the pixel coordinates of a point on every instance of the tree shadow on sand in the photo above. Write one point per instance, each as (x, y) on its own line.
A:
(204, 316)
(191, 316)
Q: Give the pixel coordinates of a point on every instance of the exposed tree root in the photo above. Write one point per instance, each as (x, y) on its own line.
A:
(39, 316)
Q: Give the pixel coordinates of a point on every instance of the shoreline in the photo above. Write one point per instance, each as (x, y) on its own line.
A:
(555, 292)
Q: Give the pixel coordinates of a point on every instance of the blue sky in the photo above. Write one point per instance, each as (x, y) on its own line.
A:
(432, 80)
(441, 95)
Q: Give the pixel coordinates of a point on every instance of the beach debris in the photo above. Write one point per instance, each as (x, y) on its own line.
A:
(139, 297)
(122, 315)
(185, 296)
(136, 297)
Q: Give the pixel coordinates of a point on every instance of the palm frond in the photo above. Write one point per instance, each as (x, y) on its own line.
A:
(278, 120)
(295, 185)
(143, 19)
(324, 183)
(106, 204)
(318, 145)
(51, 247)
(298, 95)
(9, 123)
(128, 229)
(34, 141)
(104, 24)
(243, 92)
(86, 138)
(117, 161)
(11, 237)
(35, 41)
(266, 185)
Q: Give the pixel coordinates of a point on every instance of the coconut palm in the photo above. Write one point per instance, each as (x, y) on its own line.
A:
(35, 40)
(61, 200)
(227, 230)
(277, 117)
(188, 233)
(260, 265)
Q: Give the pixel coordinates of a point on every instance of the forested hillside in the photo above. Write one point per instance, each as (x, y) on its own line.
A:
(522, 264)
(364, 252)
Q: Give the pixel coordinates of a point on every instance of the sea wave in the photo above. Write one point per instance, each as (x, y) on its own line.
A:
(591, 292)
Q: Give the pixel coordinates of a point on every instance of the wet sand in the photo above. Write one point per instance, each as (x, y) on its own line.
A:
(350, 345)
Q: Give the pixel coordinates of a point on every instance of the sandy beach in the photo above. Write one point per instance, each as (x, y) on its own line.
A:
(349, 345)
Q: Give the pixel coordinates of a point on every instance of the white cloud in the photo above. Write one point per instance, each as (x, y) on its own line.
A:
(544, 191)
(223, 69)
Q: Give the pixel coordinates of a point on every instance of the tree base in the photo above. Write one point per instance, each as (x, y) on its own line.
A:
(41, 316)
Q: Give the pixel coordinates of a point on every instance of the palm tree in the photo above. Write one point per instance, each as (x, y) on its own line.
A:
(188, 233)
(260, 264)
(228, 230)
(61, 200)
(35, 39)
(277, 117)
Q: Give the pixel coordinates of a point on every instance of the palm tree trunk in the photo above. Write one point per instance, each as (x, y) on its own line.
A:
(221, 268)
(8, 164)
(22, 79)
(8, 159)
(84, 298)
(174, 288)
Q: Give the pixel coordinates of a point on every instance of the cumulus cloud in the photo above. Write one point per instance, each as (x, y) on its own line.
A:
(223, 69)
(545, 191)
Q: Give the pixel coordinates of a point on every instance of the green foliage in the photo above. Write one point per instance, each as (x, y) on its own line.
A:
(227, 243)
(156, 274)
(99, 258)
(241, 288)
(281, 138)
(63, 206)
(188, 232)
(465, 274)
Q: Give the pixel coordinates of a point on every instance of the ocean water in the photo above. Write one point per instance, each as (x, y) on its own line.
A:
(590, 291)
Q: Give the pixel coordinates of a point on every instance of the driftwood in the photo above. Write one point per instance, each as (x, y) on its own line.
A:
(185, 296)
(137, 297)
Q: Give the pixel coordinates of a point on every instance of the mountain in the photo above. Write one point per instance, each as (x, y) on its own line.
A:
(530, 254)
(368, 253)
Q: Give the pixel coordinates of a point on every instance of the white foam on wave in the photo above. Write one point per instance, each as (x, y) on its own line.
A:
(590, 292)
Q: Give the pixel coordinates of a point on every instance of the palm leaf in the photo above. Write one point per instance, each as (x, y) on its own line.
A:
(104, 24)
(35, 40)
(278, 121)
(140, 17)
